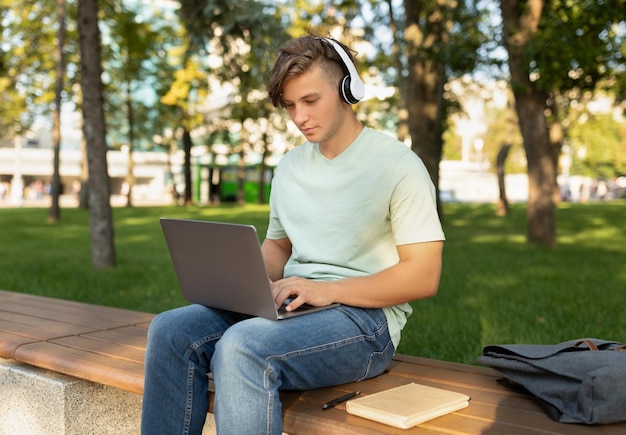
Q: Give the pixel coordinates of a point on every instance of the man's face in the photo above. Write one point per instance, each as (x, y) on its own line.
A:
(314, 105)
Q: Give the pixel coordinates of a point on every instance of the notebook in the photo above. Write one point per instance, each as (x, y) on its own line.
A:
(220, 265)
(407, 405)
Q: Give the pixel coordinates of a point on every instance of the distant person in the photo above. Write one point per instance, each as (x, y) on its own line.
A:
(352, 220)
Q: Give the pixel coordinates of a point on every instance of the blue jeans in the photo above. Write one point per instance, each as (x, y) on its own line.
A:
(251, 360)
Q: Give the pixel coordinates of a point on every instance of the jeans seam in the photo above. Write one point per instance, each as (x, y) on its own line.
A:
(189, 405)
(190, 375)
(270, 402)
(335, 344)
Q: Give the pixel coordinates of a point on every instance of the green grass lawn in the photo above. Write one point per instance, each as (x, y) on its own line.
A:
(495, 287)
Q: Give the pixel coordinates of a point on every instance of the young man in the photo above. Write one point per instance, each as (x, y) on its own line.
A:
(352, 220)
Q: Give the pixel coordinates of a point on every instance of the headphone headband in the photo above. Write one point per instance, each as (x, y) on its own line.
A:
(352, 88)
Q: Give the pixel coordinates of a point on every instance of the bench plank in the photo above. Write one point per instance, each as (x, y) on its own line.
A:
(132, 350)
(9, 342)
(95, 367)
(38, 328)
(75, 313)
(131, 336)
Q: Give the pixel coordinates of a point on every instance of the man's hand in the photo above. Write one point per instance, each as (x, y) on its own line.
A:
(300, 291)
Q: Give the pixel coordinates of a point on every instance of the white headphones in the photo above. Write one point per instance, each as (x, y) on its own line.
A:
(351, 88)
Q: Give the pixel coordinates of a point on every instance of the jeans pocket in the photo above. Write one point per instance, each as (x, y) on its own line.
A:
(379, 360)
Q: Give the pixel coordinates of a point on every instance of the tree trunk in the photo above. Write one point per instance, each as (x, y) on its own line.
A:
(187, 144)
(241, 178)
(556, 132)
(170, 172)
(402, 131)
(54, 213)
(520, 22)
(100, 216)
(130, 164)
(263, 168)
(426, 82)
(83, 187)
(503, 202)
(541, 173)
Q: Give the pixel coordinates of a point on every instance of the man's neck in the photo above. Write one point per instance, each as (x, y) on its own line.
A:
(339, 143)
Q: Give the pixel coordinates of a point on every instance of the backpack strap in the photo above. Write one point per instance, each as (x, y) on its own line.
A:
(592, 346)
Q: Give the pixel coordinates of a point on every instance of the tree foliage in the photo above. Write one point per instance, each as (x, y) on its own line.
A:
(576, 49)
(27, 79)
(598, 147)
(239, 35)
(131, 45)
(577, 45)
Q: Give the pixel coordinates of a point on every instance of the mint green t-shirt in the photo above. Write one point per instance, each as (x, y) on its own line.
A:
(345, 216)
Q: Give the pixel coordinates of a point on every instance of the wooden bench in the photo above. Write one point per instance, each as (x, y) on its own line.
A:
(106, 345)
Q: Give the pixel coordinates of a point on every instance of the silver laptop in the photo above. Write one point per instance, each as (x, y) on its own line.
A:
(220, 265)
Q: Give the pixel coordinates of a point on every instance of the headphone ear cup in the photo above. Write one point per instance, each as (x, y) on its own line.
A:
(351, 92)
(344, 90)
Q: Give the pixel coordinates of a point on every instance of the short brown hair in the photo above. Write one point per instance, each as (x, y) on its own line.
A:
(299, 55)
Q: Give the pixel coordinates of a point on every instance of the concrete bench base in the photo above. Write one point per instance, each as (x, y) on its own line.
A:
(35, 401)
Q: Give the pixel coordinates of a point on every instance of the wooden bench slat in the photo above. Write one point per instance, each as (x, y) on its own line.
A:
(143, 325)
(483, 416)
(448, 365)
(77, 313)
(38, 329)
(422, 369)
(509, 420)
(9, 342)
(132, 352)
(132, 336)
(98, 368)
(7, 295)
(457, 423)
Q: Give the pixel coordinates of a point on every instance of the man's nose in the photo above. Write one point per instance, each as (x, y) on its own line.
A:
(299, 115)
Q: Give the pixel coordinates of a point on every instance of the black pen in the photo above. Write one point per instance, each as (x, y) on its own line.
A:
(340, 399)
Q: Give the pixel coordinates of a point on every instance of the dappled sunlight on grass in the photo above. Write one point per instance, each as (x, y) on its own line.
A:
(497, 238)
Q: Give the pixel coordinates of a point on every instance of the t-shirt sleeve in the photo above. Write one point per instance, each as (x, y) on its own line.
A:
(413, 207)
